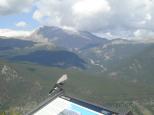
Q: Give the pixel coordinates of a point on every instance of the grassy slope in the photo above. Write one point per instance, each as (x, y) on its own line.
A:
(94, 87)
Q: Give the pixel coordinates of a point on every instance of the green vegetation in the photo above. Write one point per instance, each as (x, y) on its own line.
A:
(115, 76)
(34, 81)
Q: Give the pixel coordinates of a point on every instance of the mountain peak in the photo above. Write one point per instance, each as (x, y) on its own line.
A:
(66, 38)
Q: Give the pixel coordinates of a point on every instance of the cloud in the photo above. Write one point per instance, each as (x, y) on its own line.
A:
(14, 33)
(90, 7)
(142, 33)
(21, 24)
(38, 15)
(118, 17)
(78, 14)
(14, 6)
(108, 16)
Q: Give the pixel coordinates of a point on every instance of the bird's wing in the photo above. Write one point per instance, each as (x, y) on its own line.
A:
(62, 79)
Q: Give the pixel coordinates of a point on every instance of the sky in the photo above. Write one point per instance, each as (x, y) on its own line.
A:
(111, 18)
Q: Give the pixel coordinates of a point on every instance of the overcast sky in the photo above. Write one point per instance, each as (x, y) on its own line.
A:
(112, 18)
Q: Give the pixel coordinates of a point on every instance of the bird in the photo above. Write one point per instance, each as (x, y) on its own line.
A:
(59, 84)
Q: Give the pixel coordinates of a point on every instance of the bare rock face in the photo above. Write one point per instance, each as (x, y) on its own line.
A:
(70, 39)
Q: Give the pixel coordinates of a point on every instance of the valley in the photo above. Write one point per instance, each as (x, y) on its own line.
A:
(117, 74)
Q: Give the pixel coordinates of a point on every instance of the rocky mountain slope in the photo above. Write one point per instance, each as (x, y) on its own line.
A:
(64, 59)
(111, 71)
(70, 39)
(11, 43)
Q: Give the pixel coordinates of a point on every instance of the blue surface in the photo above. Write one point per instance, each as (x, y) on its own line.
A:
(82, 110)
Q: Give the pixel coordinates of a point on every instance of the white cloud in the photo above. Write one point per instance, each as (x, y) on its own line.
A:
(14, 33)
(148, 16)
(90, 7)
(38, 15)
(14, 6)
(118, 17)
(3, 3)
(21, 24)
(142, 33)
(79, 14)
(107, 35)
(23, 35)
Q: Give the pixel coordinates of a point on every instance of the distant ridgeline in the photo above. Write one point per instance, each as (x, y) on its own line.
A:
(12, 43)
(64, 59)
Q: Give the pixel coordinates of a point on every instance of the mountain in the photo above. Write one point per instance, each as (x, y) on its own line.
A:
(16, 89)
(64, 59)
(12, 43)
(70, 39)
(122, 59)
(112, 72)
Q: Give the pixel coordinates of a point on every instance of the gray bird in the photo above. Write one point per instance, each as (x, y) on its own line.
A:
(59, 85)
